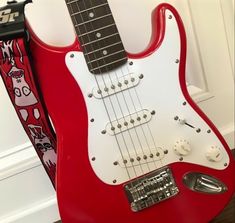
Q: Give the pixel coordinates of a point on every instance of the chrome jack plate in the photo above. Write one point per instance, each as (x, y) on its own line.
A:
(204, 183)
(151, 189)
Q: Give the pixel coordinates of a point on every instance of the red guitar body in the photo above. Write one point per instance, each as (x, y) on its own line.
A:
(82, 196)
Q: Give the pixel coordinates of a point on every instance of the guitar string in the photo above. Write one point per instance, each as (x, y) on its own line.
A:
(134, 127)
(120, 108)
(135, 132)
(136, 111)
(109, 117)
(138, 138)
(130, 115)
(149, 129)
(151, 134)
(138, 180)
(102, 76)
(141, 126)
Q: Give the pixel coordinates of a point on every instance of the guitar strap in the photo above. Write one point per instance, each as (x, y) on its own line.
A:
(16, 71)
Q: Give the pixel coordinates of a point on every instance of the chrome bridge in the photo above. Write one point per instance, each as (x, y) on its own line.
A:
(151, 189)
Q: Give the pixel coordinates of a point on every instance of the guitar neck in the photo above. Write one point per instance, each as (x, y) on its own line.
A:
(98, 35)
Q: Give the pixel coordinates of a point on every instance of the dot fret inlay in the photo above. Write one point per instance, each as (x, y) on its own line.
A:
(91, 14)
(97, 34)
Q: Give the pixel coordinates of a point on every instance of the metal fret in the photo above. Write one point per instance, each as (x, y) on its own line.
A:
(93, 31)
(121, 51)
(93, 20)
(102, 48)
(71, 1)
(97, 68)
(95, 41)
(95, 7)
(98, 34)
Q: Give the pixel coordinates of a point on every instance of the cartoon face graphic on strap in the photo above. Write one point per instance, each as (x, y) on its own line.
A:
(23, 94)
(43, 144)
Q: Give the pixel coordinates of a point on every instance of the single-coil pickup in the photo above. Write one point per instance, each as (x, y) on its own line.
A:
(128, 122)
(116, 85)
(141, 157)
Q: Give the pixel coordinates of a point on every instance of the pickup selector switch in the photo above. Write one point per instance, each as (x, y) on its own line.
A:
(182, 147)
(214, 154)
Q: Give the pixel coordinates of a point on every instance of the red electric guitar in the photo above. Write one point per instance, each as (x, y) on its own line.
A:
(133, 146)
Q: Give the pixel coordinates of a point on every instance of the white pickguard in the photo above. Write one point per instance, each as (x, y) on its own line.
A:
(159, 90)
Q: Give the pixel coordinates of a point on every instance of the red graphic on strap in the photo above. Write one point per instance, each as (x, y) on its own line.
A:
(18, 78)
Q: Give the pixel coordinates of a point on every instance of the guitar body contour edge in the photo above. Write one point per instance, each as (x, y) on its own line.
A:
(132, 144)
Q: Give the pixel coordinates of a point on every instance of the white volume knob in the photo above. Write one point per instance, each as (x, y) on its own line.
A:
(182, 148)
(214, 154)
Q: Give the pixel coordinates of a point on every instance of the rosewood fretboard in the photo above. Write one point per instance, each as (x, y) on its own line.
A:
(98, 34)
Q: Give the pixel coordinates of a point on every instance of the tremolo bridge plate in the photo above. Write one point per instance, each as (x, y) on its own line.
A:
(151, 189)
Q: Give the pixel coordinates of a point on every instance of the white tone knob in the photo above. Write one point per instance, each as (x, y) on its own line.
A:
(214, 154)
(182, 147)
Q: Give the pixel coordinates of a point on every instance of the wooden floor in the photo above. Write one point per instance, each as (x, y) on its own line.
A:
(227, 216)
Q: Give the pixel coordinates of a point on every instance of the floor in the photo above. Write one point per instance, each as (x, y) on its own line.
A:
(227, 216)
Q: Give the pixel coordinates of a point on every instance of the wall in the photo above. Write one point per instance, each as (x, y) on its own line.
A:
(25, 191)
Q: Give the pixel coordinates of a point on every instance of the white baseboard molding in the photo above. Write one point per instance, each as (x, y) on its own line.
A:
(23, 158)
(43, 212)
(18, 160)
